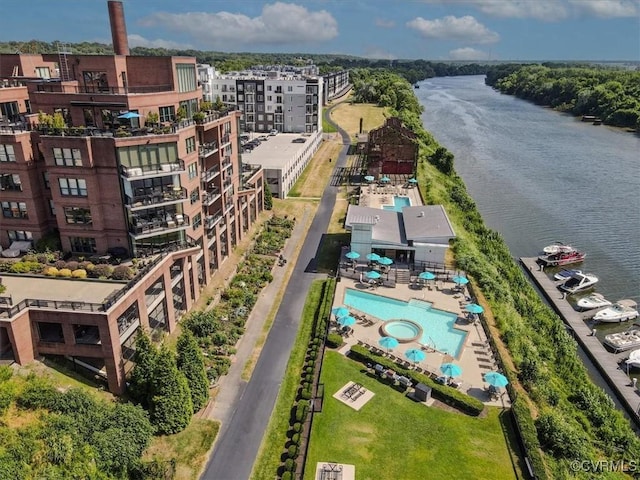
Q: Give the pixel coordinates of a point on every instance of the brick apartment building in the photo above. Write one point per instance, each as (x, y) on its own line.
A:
(114, 179)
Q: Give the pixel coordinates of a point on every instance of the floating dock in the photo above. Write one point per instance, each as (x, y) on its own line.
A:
(606, 362)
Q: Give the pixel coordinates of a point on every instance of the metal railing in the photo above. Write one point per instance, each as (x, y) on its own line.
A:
(212, 220)
(152, 170)
(208, 148)
(210, 174)
(211, 196)
(57, 87)
(169, 195)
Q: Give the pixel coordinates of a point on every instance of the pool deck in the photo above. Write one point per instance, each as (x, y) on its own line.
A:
(476, 357)
(375, 196)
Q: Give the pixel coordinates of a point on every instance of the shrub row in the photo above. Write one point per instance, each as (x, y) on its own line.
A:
(60, 268)
(444, 393)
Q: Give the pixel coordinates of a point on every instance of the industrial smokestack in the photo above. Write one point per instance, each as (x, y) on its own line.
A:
(118, 28)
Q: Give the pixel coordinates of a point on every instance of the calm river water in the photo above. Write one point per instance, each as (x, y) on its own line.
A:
(539, 176)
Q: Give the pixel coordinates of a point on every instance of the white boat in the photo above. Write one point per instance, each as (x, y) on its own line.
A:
(557, 247)
(565, 274)
(595, 300)
(621, 311)
(622, 341)
(578, 281)
(634, 359)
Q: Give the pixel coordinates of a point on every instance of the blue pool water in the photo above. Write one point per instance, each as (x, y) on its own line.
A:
(398, 203)
(437, 325)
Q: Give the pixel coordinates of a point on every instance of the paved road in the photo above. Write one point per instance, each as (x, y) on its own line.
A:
(237, 446)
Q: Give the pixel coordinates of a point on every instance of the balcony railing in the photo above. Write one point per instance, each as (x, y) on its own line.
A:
(57, 87)
(211, 196)
(226, 162)
(212, 220)
(153, 170)
(228, 206)
(143, 227)
(172, 195)
(227, 184)
(207, 149)
(210, 174)
(225, 139)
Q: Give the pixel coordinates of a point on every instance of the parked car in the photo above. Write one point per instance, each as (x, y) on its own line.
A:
(273, 132)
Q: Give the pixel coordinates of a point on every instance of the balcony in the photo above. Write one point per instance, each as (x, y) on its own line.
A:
(144, 227)
(227, 184)
(212, 220)
(210, 174)
(57, 87)
(228, 206)
(207, 149)
(226, 162)
(152, 170)
(225, 139)
(211, 196)
(164, 197)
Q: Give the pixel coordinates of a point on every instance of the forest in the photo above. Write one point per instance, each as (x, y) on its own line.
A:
(613, 95)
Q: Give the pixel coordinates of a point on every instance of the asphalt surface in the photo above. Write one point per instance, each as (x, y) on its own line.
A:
(237, 446)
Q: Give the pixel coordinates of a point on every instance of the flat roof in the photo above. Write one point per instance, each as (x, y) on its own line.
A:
(277, 151)
(44, 288)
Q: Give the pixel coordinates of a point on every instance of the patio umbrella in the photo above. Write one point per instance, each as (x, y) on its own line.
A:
(352, 255)
(385, 261)
(373, 275)
(450, 370)
(415, 355)
(474, 308)
(388, 342)
(346, 321)
(385, 179)
(460, 280)
(374, 257)
(130, 115)
(340, 311)
(369, 178)
(496, 379)
(426, 276)
(413, 180)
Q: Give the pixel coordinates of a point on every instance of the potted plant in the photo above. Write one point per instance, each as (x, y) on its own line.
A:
(152, 118)
(181, 114)
(199, 117)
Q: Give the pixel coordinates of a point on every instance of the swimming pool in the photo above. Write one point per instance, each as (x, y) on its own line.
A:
(398, 203)
(437, 326)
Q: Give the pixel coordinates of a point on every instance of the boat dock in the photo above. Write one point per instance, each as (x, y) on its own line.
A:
(606, 362)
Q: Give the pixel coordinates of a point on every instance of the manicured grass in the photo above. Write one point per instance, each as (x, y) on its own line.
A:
(189, 447)
(328, 127)
(393, 437)
(316, 175)
(348, 116)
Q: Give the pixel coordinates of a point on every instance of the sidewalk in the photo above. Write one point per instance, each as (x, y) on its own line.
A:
(231, 386)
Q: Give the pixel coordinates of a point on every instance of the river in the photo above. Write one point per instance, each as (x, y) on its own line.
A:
(539, 176)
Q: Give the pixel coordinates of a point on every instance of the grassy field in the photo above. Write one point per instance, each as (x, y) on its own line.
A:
(316, 175)
(393, 437)
(348, 116)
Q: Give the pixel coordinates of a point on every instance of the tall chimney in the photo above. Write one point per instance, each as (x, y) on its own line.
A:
(118, 28)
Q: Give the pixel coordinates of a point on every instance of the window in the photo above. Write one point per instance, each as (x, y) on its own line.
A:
(14, 210)
(79, 215)
(195, 195)
(197, 221)
(260, 98)
(74, 187)
(167, 114)
(269, 88)
(16, 235)
(269, 98)
(83, 245)
(240, 87)
(43, 72)
(186, 73)
(191, 144)
(68, 157)
(259, 87)
(193, 170)
(289, 88)
(52, 208)
(10, 181)
(7, 153)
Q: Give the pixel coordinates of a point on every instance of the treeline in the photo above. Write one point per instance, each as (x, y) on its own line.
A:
(559, 410)
(610, 94)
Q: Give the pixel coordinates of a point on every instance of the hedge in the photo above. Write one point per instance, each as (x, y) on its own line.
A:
(444, 393)
(529, 437)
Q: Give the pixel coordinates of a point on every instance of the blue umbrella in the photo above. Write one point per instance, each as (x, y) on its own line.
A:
(415, 355)
(352, 255)
(385, 179)
(426, 276)
(496, 379)
(374, 257)
(372, 275)
(460, 280)
(450, 370)
(130, 115)
(385, 261)
(340, 311)
(369, 178)
(413, 180)
(388, 342)
(346, 321)
(474, 308)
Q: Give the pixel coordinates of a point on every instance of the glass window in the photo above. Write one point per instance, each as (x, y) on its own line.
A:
(197, 221)
(128, 318)
(195, 195)
(186, 73)
(52, 208)
(15, 235)
(74, 187)
(191, 144)
(14, 210)
(193, 170)
(45, 177)
(7, 153)
(79, 215)
(83, 244)
(167, 114)
(68, 157)
(10, 181)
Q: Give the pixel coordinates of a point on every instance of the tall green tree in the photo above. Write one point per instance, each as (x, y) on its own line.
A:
(191, 363)
(170, 404)
(145, 360)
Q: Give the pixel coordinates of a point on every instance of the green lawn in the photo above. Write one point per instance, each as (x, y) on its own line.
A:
(392, 437)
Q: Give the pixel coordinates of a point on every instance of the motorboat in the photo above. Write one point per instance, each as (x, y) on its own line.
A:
(565, 274)
(561, 258)
(595, 300)
(623, 341)
(633, 360)
(579, 281)
(621, 311)
(557, 247)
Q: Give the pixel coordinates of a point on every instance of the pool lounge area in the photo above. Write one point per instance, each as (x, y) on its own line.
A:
(398, 204)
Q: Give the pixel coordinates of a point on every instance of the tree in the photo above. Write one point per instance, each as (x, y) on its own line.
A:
(170, 405)
(268, 198)
(145, 360)
(191, 364)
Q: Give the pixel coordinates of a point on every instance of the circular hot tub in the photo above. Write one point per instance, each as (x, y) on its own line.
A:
(402, 330)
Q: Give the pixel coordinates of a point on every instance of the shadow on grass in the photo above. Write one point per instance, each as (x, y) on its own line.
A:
(80, 374)
(329, 249)
(516, 453)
